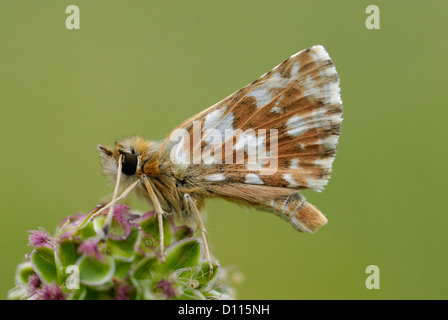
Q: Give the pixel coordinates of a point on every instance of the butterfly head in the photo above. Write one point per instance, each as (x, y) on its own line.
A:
(126, 151)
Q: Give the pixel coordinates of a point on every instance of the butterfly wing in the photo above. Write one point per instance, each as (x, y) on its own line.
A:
(271, 138)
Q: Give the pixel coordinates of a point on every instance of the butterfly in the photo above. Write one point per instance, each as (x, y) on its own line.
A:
(258, 148)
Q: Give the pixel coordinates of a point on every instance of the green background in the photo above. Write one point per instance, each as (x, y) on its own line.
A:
(142, 67)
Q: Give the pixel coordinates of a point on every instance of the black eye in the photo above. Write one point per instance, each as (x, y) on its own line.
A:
(129, 164)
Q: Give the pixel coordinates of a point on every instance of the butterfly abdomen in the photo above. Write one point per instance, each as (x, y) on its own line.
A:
(302, 215)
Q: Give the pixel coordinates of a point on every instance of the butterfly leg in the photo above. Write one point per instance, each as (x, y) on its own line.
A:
(94, 214)
(201, 226)
(159, 212)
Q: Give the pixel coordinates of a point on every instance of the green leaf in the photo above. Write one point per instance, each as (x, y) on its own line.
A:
(124, 250)
(23, 271)
(122, 269)
(151, 225)
(182, 254)
(183, 232)
(17, 293)
(98, 224)
(144, 267)
(186, 295)
(95, 272)
(204, 277)
(42, 260)
(117, 230)
(67, 251)
(143, 289)
(79, 294)
(92, 294)
(191, 295)
(87, 232)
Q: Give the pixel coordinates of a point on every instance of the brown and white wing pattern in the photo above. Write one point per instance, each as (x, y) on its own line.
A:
(289, 117)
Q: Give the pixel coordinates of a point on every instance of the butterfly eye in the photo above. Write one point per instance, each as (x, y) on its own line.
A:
(129, 164)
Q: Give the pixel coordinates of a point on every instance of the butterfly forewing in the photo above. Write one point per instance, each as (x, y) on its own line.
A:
(289, 117)
(300, 99)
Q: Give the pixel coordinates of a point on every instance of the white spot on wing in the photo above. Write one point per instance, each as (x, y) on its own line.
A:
(288, 178)
(253, 178)
(213, 118)
(215, 177)
(216, 125)
(318, 53)
(316, 184)
(295, 70)
(325, 162)
(317, 119)
(297, 126)
(244, 140)
(262, 95)
(331, 93)
(294, 164)
(311, 88)
(225, 124)
(329, 142)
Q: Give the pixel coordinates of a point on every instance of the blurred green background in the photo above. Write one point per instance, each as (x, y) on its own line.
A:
(142, 67)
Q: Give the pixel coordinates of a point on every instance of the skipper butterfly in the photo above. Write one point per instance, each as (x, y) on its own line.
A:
(258, 147)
